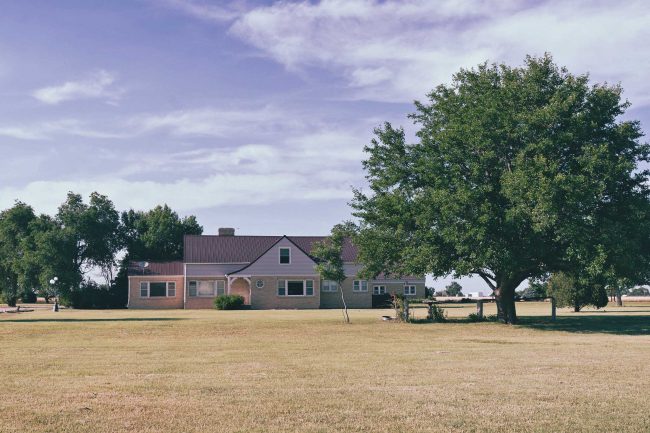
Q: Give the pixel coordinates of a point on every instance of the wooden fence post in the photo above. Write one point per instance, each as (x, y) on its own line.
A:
(479, 308)
(553, 308)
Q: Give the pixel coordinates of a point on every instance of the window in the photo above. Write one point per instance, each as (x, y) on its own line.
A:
(259, 284)
(379, 290)
(360, 286)
(221, 287)
(295, 287)
(285, 256)
(205, 288)
(281, 287)
(157, 289)
(208, 288)
(409, 290)
(329, 286)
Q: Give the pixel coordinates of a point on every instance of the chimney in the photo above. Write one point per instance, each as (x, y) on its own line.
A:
(226, 231)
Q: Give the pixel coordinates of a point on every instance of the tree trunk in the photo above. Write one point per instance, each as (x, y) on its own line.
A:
(504, 295)
(346, 317)
(619, 300)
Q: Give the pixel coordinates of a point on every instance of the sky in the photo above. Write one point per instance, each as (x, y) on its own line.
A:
(252, 114)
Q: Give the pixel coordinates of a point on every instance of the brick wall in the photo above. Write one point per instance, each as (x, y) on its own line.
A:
(267, 297)
(135, 301)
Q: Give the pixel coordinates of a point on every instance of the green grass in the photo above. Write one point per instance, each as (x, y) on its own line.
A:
(199, 371)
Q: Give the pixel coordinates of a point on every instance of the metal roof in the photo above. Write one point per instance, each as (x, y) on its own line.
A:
(246, 249)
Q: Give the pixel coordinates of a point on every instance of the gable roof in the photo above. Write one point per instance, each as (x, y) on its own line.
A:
(247, 249)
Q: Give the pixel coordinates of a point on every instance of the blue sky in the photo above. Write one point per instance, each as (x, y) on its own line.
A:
(254, 114)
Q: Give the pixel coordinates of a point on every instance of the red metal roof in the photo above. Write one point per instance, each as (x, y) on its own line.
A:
(246, 249)
(156, 268)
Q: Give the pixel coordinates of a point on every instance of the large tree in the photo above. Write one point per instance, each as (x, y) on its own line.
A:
(516, 173)
(156, 234)
(15, 224)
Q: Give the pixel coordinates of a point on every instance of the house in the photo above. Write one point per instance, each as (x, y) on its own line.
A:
(268, 271)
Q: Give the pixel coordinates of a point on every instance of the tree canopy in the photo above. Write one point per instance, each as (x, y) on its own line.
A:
(80, 238)
(516, 172)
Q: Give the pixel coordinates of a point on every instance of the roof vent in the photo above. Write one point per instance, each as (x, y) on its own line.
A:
(226, 231)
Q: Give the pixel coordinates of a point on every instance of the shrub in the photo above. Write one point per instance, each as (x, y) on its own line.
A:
(473, 317)
(91, 295)
(228, 302)
(28, 297)
(437, 314)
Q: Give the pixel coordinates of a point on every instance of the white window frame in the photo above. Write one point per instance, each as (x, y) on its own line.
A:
(196, 288)
(286, 289)
(380, 287)
(360, 286)
(410, 290)
(218, 288)
(329, 286)
(148, 289)
(280, 255)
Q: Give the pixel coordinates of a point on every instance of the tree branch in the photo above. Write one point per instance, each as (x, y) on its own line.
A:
(486, 277)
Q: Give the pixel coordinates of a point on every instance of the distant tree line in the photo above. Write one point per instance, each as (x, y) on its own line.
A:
(80, 240)
(572, 292)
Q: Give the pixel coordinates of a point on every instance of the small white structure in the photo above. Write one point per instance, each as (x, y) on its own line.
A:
(475, 295)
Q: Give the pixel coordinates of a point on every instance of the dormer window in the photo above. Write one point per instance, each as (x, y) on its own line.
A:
(285, 256)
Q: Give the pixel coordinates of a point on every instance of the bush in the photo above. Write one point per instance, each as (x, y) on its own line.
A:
(437, 314)
(91, 295)
(228, 302)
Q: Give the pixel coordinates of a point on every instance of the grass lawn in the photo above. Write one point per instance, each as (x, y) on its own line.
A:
(255, 371)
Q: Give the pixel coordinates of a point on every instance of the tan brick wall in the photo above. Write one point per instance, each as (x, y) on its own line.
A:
(267, 297)
(363, 299)
(399, 288)
(201, 302)
(352, 299)
(135, 301)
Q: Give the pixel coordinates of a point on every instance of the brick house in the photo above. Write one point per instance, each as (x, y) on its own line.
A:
(270, 272)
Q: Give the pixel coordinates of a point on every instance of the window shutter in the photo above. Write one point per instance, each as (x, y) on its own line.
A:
(221, 287)
(144, 289)
(281, 289)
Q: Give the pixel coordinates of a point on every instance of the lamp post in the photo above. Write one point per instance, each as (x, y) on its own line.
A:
(53, 281)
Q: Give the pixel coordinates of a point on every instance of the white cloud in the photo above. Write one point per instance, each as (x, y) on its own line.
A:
(97, 85)
(398, 51)
(183, 195)
(50, 129)
(203, 11)
(216, 122)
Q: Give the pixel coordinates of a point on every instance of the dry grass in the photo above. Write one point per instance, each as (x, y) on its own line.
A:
(200, 371)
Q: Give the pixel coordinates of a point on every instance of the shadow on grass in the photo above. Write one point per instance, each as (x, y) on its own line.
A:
(619, 324)
(126, 319)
